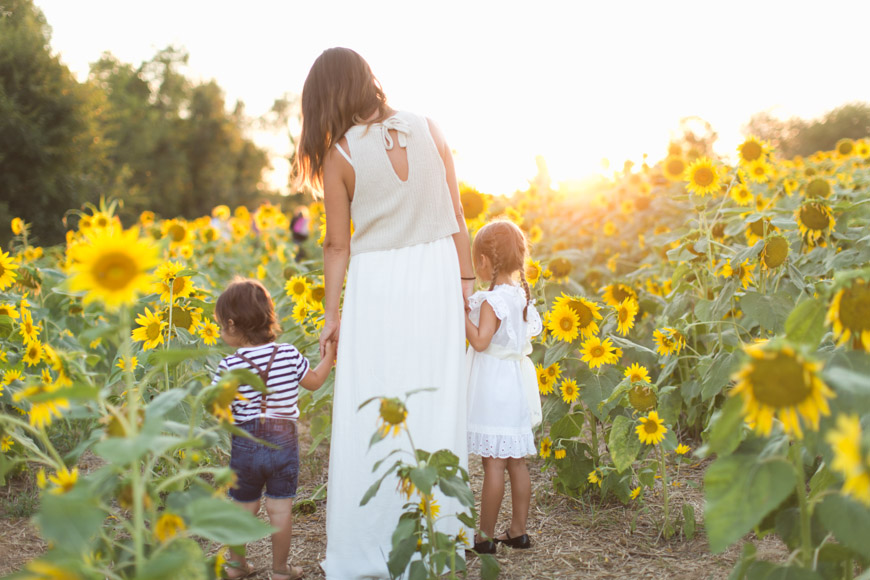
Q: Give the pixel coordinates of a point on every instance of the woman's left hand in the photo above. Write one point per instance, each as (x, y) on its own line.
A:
(329, 332)
(467, 291)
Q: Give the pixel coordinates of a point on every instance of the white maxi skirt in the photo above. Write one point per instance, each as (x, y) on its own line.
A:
(402, 328)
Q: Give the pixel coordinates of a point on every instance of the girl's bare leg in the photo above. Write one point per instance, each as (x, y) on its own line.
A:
(281, 517)
(241, 567)
(492, 494)
(521, 495)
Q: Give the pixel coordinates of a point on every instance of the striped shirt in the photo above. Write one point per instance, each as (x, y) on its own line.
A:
(287, 370)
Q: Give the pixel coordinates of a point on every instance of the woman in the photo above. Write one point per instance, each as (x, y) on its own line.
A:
(408, 267)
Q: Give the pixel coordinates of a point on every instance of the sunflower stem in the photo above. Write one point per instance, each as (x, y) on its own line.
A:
(137, 482)
(665, 492)
(801, 491)
(168, 332)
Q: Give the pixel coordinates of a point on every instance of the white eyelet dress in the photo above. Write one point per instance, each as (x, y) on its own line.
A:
(402, 328)
(501, 407)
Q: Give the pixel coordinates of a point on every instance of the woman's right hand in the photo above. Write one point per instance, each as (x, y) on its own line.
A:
(328, 333)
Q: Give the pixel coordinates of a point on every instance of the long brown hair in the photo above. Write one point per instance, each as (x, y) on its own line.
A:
(340, 91)
(504, 244)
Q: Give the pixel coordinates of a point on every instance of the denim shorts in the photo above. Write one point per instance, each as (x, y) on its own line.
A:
(257, 466)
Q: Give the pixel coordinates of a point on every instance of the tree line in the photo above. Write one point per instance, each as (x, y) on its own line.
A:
(143, 134)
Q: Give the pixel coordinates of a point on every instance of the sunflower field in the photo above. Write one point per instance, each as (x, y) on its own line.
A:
(694, 310)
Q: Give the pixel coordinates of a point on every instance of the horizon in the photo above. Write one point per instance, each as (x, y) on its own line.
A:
(547, 81)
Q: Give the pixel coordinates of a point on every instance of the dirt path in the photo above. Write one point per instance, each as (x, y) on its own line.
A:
(572, 538)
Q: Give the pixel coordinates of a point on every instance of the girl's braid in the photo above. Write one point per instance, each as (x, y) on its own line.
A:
(496, 263)
(521, 251)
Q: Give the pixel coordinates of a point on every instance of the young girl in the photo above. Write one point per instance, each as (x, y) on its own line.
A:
(247, 319)
(503, 402)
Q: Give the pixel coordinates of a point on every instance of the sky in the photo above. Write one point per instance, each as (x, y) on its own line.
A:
(573, 81)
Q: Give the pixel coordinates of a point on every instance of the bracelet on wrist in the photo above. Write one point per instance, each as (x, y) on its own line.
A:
(468, 278)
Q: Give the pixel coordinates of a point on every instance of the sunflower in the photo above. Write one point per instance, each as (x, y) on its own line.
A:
(317, 293)
(742, 272)
(64, 480)
(545, 381)
(560, 267)
(702, 177)
(536, 234)
(17, 226)
(757, 230)
(177, 231)
(849, 457)
(560, 453)
(616, 293)
(845, 148)
(150, 330)
(862, 148)
(587, 312)
(546, 447)
(637, 373)
(674, 167)
(209, 333)
(775, 252)
(790, 185)
(849, 314)
(169, 282)
(113, 267)
(815, 220)
(474, 203)
(818, 187)
(41, 412)
(635, 493)
(668, 341)
(682, 449)
(759, 171)
(10, 375)
(609, 228)
(428, 506)
(298, 288)
(651, 430)
(185, 317)
(127, 366)
(625, 314)
(168, 526)
(301, 311)
(33, 354)
(741, 194)
(564, 323)
(642, 397)
(393, 415)
(7, 270)
(751, 150)
(569, 390)
(597, 353)
(554, 371)
(6, 443)
(532, 271)
(781, 382)
(595, 477)
(8, 310)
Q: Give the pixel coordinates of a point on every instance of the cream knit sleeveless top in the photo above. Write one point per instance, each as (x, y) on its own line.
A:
(389, 213)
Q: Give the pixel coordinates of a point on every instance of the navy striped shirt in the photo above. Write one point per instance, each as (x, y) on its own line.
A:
(287, 370)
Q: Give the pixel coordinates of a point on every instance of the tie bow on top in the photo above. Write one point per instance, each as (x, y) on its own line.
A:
(402, 131)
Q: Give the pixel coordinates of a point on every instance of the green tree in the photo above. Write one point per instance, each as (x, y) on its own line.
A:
(175, 148)
(51, 150)
(797, 136)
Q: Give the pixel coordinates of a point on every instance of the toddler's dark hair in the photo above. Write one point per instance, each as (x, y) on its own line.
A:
(504, 244)
(248, 304)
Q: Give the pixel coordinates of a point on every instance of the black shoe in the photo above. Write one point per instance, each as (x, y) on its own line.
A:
(485, 547)
(520, 543)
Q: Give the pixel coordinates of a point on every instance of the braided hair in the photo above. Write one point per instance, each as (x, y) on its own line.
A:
(504, 245)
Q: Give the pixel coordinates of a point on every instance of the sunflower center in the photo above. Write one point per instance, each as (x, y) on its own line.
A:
(115, 270)
(818, 188)
(584, 313)
(845, 148)
(4, 311)
(704, 176)
(635, 377)
(775, 252)
(317, 293)
(152, 331)
(393, 412)
(299, 289)
(651, 427)
(676, 166)
(565, 323)
(181, 317)
(101, 222)
(779, 382)
(757, 227)
(855, 308)
(620, 294)
(33, 351)
(623, 314)
(597, 351)
(560, 267)
(472, 204)
(759, 170)
(814, 217)
(177, 286)
(750, 151)
(2, 270)
(177, 232)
